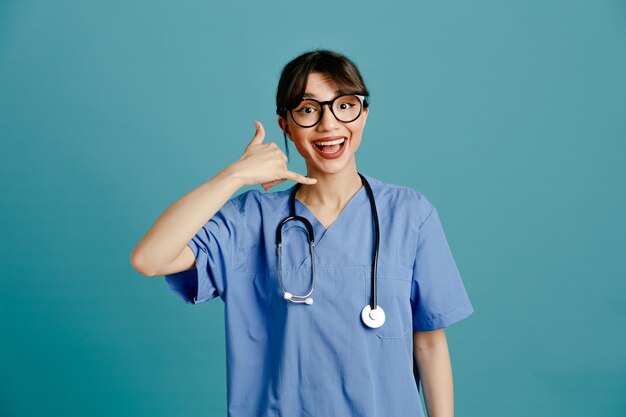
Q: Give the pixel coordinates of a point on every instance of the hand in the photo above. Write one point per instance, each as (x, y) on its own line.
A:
(265, 163)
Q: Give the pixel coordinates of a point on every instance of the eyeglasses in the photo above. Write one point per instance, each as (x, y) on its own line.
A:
(346, 108)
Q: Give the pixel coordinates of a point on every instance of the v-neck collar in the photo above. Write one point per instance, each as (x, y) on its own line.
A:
(318, 228)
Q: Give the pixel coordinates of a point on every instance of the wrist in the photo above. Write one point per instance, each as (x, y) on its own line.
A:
(232, 175)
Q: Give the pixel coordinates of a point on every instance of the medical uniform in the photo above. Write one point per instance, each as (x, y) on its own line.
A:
(291, 360)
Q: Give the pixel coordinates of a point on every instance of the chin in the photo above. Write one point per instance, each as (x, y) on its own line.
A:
(330, 168)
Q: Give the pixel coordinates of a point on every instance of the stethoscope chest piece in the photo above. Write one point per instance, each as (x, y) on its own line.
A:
(373, 318)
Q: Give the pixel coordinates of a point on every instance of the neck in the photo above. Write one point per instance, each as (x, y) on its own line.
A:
(331, 190)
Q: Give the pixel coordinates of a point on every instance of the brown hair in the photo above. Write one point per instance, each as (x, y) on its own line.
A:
(295, 74)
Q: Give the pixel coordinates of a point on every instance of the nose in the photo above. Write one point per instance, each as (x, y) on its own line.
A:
(328, 120)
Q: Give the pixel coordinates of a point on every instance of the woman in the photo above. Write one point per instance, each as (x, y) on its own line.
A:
(304, 334)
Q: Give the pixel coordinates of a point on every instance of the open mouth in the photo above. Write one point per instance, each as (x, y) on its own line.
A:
(330, 147)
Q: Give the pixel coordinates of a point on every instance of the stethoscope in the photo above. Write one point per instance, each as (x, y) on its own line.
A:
(372, 314)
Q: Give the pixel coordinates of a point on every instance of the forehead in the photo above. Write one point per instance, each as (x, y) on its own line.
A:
(320, 86)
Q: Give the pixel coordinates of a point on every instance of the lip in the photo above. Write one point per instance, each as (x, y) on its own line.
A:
(334, 155)
(329, 138)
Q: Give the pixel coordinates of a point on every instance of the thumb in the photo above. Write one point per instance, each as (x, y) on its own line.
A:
(259, 135)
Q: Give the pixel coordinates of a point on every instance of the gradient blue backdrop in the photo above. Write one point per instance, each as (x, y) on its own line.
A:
(509, 116)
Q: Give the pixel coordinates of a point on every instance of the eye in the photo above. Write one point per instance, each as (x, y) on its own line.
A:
(306, 110)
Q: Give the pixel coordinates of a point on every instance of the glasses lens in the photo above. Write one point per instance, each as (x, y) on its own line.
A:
(307, 113)
(347, 108)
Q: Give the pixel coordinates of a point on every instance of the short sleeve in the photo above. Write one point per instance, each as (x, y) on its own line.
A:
(438, 296)
(216, 248)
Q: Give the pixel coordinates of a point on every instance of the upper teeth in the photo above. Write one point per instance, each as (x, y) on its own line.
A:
(330, 142)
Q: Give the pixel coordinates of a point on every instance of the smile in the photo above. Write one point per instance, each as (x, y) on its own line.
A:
(330, 149)
(322, 144)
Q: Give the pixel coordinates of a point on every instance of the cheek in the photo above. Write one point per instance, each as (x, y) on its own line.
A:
(300, 144)
(357, 132)
(357, 126)
(300, 139)
(300, 147)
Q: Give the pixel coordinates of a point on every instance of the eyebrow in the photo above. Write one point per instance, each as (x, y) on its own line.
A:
(311, 95)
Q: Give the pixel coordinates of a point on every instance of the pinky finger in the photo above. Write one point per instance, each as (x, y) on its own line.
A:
(267, 185)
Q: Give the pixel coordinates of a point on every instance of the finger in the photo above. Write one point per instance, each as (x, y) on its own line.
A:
(267, 185)
(259, 134)
(299, 178)
(272, 183)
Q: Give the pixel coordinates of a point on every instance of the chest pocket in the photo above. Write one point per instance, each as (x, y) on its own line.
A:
(334, 315)
(393, 293)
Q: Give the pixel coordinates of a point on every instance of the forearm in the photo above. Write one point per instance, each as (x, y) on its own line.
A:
(168, 236)
(433, 362)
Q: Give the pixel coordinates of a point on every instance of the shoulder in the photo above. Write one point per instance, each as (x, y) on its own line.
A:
(255, 200)
(403, 198)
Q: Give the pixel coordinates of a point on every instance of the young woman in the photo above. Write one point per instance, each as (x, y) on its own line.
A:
(337, 290)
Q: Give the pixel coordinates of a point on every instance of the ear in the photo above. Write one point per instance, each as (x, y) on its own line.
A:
(366, 111)
(282, 123)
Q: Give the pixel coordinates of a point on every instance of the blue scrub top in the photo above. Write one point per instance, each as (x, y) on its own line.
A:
(289, 360)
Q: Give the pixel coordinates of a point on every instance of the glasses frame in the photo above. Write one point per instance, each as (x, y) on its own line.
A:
(330, 104)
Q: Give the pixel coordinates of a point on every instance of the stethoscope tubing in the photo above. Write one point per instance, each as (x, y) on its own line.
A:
(370, 193)
(309, 228)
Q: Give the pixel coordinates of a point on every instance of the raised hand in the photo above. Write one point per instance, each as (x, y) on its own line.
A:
(266, 164)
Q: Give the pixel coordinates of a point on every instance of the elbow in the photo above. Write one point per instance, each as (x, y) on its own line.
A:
(428, 340)
(139, 264)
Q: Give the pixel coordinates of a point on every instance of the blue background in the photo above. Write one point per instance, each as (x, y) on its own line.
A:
(509, 116)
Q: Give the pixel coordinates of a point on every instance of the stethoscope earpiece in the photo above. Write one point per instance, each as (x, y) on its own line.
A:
(297, 298)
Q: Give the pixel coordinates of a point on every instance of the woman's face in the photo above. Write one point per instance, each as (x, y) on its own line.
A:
(329, 159)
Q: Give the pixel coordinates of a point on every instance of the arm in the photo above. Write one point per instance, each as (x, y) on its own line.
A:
(430, 349)
(168, 236)
(164, 247)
